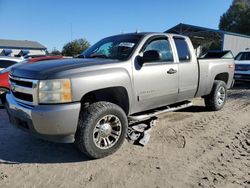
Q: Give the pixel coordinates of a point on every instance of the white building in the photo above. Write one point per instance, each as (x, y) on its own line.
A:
(18, 48)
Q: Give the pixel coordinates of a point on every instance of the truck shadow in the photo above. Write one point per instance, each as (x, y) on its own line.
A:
(241, 85)
(194, 109)
(19, 147)
(239, 91)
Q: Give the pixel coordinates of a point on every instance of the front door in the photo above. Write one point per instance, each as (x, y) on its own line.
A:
(156, 83)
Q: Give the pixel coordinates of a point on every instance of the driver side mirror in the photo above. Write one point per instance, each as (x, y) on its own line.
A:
(151, 56)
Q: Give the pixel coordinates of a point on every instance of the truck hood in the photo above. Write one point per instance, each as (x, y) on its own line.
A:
(47, 69)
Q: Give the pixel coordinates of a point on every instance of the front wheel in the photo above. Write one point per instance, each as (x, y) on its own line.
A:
(102, 129)
(217, 98)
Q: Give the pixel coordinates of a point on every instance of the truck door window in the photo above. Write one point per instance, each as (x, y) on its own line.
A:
(182, 49)
(163, 47)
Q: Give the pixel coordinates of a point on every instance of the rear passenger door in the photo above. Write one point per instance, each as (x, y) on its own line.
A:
(188, 69)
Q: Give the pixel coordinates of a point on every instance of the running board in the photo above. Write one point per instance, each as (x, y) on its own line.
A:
(156, 112)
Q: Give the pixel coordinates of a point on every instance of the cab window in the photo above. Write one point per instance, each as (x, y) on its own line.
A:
(163, 47)
(182, 49)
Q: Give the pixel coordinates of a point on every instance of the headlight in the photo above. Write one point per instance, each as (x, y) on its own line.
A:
(55, 91)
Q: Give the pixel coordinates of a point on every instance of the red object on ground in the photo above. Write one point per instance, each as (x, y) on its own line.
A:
(4, 77)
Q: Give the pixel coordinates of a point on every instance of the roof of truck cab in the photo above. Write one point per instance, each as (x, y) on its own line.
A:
(135, 34)
(146, 33)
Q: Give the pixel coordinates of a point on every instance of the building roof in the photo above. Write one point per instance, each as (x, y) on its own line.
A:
(21, 44)
(186, 28)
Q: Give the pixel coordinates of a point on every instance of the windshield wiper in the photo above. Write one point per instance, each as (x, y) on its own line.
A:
(97, 56)
(81, 56)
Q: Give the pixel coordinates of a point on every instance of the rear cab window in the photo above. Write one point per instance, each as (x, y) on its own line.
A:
(182, 49)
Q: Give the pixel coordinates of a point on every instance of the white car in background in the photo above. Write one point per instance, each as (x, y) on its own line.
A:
(6, 61)
(242, 66)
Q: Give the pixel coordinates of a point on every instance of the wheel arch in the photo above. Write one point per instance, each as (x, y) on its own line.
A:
(222, 77)
(117, 95)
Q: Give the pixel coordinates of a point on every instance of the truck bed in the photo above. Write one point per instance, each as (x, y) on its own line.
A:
(209, 68)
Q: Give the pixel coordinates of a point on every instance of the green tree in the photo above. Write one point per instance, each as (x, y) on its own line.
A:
(237, 17)
(75, 47)
(55, 52)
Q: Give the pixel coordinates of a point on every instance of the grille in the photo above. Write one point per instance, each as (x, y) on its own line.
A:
(24, 90)
(23, 96)
(21, 83)
(242, 67)
(242, 76)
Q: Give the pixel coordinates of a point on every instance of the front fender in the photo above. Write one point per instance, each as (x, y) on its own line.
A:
(101, 79)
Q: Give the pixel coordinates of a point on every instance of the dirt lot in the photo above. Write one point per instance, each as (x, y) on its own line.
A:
(189, 148)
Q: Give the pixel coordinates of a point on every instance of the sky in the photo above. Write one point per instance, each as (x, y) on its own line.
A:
(53, 23)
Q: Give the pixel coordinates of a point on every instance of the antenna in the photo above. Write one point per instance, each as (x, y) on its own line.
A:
(71, 32)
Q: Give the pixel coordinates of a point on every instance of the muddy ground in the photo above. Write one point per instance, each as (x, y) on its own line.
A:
(189, 148)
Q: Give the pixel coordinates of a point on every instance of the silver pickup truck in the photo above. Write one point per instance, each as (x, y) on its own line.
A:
(91, 100)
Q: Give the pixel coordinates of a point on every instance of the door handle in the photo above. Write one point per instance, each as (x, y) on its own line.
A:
(172, 71)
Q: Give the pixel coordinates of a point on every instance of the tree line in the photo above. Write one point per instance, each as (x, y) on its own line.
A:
(72, 48)
(237, 18)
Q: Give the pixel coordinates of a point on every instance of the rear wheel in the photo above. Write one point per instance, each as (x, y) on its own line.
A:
(102, 129)
(217, 98)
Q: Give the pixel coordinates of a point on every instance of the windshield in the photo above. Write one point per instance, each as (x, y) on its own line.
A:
(243, 56)
(116, 47)
(10, 67)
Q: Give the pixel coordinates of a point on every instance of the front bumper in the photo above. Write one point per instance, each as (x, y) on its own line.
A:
(56, 123)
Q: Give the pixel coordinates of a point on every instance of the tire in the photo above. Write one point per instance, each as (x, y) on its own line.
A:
(99, 123)
(217, 98)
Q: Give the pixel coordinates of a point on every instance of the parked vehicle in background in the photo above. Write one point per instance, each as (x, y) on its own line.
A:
(123, 79)
(227, 54)
(242, 66)
(4, 74)
(6, 61)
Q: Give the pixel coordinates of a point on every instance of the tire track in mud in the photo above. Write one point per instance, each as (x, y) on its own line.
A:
(239, 101)
(193, 125)
(212, 164)
(221, 156)
(229, 164)
(231, 111)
